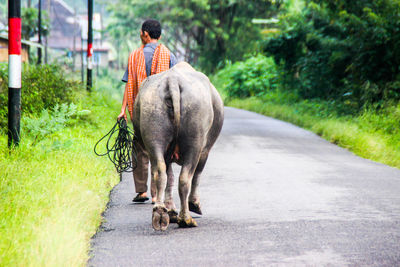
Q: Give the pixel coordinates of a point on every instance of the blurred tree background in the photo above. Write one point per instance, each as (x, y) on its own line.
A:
(205, 33)
(344, 51)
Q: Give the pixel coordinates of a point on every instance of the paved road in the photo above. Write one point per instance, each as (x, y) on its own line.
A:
(272, 195)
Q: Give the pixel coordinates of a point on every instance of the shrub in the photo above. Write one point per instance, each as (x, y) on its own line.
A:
(253, 77)
(48, 122)
(43, 87)
(341, 50)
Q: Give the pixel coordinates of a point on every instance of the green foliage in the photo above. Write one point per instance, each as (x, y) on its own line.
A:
(210, 32)
(341, 50)
(254, 77)
(48, 122)
(293, 6)
(43, 87)
(384, 121)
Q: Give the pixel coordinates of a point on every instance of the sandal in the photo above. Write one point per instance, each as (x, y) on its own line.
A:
(139, 198)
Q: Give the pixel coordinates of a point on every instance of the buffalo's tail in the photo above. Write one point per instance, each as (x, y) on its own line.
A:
(173, 87)
(174, 93)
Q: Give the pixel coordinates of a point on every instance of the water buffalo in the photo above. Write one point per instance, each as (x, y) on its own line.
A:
(178, 115)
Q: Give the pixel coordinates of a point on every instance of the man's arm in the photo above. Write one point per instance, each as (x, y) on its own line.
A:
(125, 99)
(124, 104)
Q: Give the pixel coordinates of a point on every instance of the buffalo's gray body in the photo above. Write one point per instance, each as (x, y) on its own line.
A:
(177, 108)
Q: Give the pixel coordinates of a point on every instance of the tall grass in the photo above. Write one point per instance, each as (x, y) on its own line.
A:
(53, 193)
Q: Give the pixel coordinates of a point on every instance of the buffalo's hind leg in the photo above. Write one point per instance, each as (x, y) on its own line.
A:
(160, 218)
(169, 202)
(185, 184)
(194, 199)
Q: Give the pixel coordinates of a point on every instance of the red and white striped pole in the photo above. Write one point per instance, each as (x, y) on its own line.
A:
(90, 46)
(14, 71)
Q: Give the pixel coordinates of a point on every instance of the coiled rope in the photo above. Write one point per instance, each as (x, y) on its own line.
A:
(120, 149)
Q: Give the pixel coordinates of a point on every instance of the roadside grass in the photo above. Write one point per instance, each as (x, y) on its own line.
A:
(372, 134)
(53, 193)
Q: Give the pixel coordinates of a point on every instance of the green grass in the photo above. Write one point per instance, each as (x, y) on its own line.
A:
(52, 194)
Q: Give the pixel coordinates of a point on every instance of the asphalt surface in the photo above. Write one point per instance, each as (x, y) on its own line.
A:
(272, 194)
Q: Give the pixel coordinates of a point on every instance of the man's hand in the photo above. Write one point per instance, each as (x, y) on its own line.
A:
(122, 115)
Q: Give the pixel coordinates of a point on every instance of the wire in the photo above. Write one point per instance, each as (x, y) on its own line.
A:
(122, 153)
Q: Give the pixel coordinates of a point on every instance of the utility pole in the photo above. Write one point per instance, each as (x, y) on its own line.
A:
(39, 51)
(82, 67)
(90, 46)
(46, 52)
(14, 71)
(74, 42)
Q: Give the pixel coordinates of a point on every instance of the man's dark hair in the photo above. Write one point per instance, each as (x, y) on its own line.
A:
(153, 27)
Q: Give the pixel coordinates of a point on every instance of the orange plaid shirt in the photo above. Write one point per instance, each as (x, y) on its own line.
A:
(137, 70)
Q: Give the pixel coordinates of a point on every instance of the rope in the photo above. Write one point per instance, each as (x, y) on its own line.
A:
(122, 150)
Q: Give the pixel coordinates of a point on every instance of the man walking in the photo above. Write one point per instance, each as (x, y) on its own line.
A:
(151, 58)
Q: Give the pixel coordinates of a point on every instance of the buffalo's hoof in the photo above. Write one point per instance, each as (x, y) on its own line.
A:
(195, 207)
(188, 222)
(160, 218)
(173, 216)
